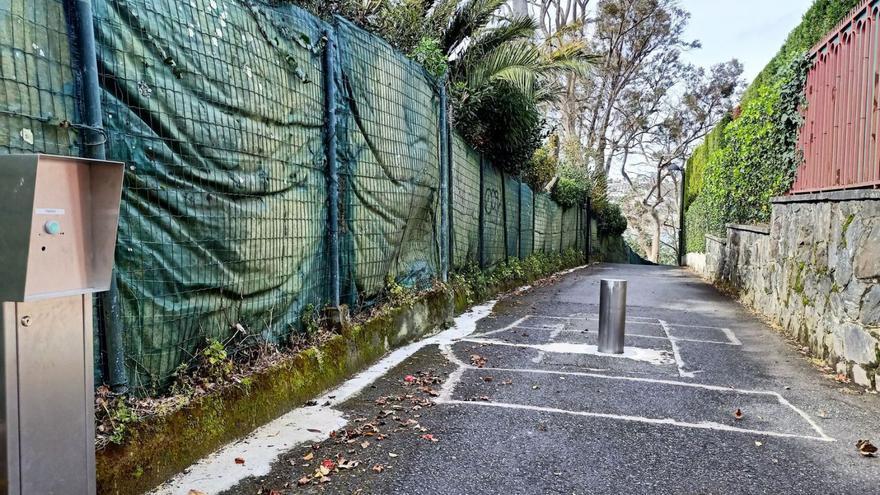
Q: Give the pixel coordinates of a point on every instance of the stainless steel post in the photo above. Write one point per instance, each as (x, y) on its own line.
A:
(612, 316)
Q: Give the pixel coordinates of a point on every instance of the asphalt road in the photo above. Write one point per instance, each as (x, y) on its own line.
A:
(525, 405)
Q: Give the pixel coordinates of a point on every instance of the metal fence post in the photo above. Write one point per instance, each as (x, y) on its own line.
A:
(332, 165)
(561, 230)
(504, 215)
(588, 232)
(447, 126)
(444, 185)
(534, 216)
(94, 139)
(519, 253)
(482, 220)
(682, 248)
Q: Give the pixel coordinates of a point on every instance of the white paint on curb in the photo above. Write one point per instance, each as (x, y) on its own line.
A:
(259, 450)
(218, 471)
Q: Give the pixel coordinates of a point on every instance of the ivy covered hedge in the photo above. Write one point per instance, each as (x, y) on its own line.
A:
(752, 155)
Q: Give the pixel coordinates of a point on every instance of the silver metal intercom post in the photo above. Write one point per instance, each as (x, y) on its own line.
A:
(612, 316)
(58, 218)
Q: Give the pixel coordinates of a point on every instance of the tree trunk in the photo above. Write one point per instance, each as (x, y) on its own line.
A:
(519, 7)
(655, 237)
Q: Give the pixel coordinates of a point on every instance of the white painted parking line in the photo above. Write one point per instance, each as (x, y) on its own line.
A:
(657, 337)
(731, 337)
(448, 388)
(652, 356)
(677, 354)
(708, 425)
(638, 320)
(508, 327)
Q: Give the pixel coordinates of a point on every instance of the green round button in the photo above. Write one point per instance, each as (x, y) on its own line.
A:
(52, 227)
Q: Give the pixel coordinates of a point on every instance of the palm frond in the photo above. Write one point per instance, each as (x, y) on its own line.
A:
(514, 28)
(513, 63)
(469, 18)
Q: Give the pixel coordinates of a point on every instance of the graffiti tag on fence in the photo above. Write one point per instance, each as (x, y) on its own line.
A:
(492, 201)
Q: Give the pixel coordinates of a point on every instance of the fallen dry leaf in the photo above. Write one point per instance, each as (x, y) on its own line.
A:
(365, 444)
(378, 468)
(305, 480)
(196, 492)
(866, 448)
(409, 378)
(738, 414)
(392, 455)
(309, 456)
(478, 361)
(330, 464)
(429, 437)
(239, 460)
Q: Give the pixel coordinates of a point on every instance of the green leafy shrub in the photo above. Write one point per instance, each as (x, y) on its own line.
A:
(429, 53)
(700, 220)
(542, 166)
(610, 220)
(753, 156)
(215, 361)
(477, 284)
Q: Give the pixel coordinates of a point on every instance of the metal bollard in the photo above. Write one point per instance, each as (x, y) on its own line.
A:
(612, 316)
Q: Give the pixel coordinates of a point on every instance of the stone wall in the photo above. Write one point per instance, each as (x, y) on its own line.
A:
(814, 271)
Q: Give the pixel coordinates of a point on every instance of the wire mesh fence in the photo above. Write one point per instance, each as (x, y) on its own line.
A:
(390, 160)
(39, 95)
(465, 203)
(218, 109)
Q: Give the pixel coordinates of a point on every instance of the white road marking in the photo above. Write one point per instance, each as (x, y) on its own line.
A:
(508, 327)
(707, 425)
(731, 336)
(652, 356)
(676, 353)
(449, 386)
(638, 320)
(658, 337)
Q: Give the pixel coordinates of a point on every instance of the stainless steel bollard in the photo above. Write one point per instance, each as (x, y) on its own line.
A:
(612, 316)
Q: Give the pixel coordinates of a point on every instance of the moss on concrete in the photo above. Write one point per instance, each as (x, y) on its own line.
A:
(158, 448)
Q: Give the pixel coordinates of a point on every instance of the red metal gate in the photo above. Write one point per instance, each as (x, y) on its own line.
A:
(839, 136)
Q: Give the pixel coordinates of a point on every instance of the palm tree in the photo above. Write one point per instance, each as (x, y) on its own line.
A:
(498, 71)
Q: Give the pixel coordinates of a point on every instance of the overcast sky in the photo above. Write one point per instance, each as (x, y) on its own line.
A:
(750, 30)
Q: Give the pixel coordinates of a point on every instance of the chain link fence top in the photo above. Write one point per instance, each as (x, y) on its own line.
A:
(389, 158)
(217, 109)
